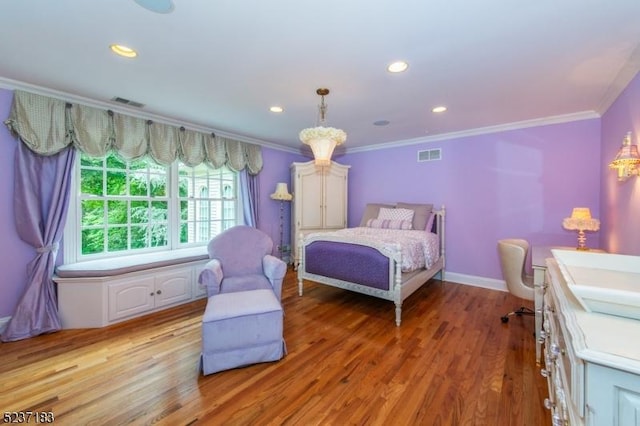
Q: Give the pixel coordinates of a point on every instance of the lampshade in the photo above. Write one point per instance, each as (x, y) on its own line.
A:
(581, 221)
(627, 159)
(282, 192)
(321, 139)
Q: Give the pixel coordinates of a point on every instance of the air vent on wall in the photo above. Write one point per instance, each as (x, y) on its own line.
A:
(430, 154)
(127, 102)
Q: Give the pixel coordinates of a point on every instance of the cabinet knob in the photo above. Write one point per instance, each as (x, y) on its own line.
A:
(151, 294)
(556, 420)
(548, 404)
(159, 292)
(543, 336)
(544, 372)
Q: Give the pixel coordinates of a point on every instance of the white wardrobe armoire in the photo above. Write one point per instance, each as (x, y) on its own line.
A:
(319, 200)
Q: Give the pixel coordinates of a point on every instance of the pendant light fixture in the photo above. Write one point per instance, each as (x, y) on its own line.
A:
(321, 139)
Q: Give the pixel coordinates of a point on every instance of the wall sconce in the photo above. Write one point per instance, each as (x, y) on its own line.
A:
(627, 159)
(581, 221)
(282, 195)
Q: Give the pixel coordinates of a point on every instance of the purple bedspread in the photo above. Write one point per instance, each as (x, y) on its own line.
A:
(348, 262)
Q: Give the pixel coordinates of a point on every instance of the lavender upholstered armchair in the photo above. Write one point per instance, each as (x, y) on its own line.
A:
(241, 260)
(243, 321)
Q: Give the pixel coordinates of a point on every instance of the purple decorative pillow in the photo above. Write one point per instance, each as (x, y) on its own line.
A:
(389, 224)
(429, 225)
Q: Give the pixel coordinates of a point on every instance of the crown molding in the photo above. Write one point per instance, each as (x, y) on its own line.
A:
(622, 80)
(557, 119)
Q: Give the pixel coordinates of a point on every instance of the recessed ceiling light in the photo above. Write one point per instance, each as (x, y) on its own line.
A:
(158, 6)
(439, 109)
(276, 109)
(381, 123)
(122, 50)
(398, 66)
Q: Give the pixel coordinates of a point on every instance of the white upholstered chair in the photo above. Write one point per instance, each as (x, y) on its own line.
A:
(513, 253)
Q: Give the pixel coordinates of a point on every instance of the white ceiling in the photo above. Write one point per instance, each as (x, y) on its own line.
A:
(220, 65)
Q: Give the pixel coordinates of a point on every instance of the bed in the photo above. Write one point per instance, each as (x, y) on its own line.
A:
(375, 260)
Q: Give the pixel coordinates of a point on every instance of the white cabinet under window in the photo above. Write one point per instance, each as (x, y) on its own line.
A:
(319, 199)
(87, 302)
(132, 296)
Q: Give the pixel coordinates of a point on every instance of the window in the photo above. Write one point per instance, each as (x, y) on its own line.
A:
(127, 207)
(208, 200)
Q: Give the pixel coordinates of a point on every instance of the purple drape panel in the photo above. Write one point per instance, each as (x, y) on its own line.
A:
(249, 194)
(41, 192)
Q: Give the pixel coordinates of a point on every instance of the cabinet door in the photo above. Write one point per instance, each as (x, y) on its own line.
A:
(335, 199)
(309, 199)
(173, 286)
(613, 397)
(130, 297)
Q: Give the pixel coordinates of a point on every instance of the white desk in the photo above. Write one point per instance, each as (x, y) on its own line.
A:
(539, 254)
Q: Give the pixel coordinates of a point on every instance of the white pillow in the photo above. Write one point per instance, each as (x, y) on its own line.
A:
(395, 214)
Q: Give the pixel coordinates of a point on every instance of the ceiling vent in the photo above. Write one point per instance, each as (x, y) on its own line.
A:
(124, 101)
(430, 155)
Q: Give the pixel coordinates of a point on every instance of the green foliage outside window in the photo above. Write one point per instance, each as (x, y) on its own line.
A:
(125, 206)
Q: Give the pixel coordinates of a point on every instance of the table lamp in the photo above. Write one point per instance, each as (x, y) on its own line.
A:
(581, 221)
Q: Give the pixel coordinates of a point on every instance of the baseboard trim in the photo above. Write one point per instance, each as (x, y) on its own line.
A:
(476, 281)
(3, 323)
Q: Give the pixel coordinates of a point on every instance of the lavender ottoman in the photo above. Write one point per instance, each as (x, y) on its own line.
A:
(241, 328)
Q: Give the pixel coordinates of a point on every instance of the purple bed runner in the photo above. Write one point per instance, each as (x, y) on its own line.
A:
(348, 262)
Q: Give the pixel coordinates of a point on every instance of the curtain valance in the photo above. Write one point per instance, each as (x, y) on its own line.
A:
(48, 125)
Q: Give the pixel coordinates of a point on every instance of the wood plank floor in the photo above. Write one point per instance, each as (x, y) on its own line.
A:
(452, 362)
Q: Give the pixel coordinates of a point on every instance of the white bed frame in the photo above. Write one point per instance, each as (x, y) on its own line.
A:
(401, 288)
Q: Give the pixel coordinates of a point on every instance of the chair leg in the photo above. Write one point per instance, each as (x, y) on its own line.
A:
(523, 310)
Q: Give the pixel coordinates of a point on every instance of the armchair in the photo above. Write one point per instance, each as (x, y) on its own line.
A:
(241, 260)
(243, 320)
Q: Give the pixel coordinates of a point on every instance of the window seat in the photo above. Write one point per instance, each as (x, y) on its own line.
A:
(127, 264)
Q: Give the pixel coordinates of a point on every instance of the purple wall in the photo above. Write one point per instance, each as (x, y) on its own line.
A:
(512, 184)
(620, 201)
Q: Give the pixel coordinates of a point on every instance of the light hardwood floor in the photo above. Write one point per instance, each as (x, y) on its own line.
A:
(452, 362)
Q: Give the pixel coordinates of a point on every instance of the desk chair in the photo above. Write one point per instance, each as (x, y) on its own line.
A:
(513, 253)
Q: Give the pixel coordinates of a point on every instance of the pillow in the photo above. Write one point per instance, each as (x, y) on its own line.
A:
(429, 227)
(371, 212)
(396, 214)
(421, 213)
(389, 224)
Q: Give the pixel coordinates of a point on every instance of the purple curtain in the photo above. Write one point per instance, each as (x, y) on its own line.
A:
(41, 191)
(249, 193)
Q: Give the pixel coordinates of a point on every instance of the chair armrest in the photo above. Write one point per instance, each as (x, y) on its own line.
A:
(275, 270)
(211, 277)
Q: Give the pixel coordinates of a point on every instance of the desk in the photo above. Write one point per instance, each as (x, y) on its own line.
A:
(539, 254)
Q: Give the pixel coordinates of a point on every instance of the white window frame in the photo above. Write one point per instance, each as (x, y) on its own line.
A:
(72, 238)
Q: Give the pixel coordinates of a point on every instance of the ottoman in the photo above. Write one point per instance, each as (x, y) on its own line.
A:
(241, 328)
